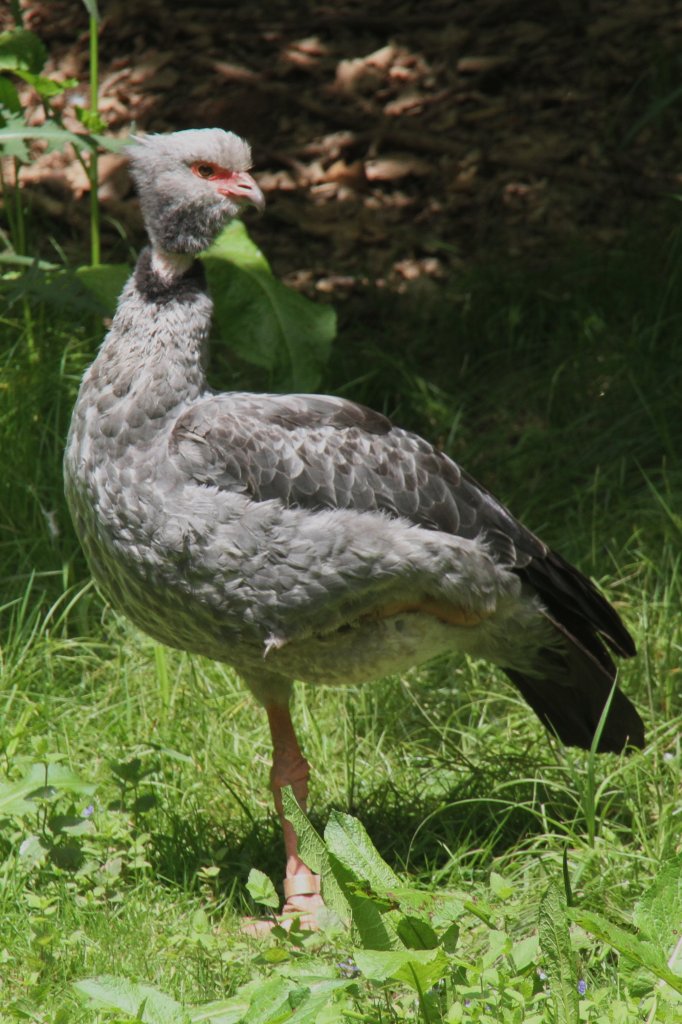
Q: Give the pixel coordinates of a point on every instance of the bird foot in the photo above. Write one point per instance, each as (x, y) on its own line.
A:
(301, 909)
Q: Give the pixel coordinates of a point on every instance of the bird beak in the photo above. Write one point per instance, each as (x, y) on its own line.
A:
(243, 189)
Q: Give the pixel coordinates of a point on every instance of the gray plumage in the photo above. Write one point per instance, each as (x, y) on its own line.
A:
(302, 536)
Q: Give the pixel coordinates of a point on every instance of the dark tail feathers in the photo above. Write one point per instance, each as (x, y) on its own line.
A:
(569, 693)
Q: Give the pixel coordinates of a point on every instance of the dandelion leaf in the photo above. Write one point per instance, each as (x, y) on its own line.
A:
(555, 945)
(658, 914)
(142, 1002)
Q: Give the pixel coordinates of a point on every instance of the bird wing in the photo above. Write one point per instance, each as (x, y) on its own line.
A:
(321, 452)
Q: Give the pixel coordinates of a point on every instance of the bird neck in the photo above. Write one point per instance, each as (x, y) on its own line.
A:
(169, 267)
(153, 356)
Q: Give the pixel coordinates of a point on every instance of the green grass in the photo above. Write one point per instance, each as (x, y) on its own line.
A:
(560, 389)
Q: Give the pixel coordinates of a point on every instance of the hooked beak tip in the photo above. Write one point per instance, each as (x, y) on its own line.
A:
(258, 201)
(243, 189)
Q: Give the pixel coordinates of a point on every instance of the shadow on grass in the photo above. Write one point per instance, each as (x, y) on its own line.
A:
(501, 806)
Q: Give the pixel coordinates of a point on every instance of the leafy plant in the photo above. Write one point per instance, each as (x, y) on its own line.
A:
(265, 322)
(555, 943)
(443, 956)
(23, 56)
(45, 832)
(658, 918)
(302, 997)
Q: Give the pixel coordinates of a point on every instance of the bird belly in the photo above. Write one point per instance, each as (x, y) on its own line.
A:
(368, 649)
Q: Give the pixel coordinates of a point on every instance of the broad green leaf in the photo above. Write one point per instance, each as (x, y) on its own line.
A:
(314, 853)
(16, 797)
(235, 244)
(13, 800)
(347, 839)
(318, 977)
(261, 1001)
(364, 878)
(310, 846)
(109, 142)
(369, 921)
(309, 996)
(60, 777)
(107, 992)
(9, 97)
(234, 1009)
(643, 953)
(499, 944)
(416, 900)
(420, 969)
(62, 289)
(224, 1011)
(450, 938)
(416, 933)
(272, 1001)
(21, 49)
(448, 910)
(15, 133)
(524, 952)
(309, 1010)
(46, 87)
(105, 282)
(500, 886)
(261, 889)
(12, 141)
(262, 320)
(555, 943)
(73, 826)
(481, 909)
(658, 914)
(342, 1011)
(276, 955)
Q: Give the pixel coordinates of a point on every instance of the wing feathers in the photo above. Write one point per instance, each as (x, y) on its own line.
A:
(324, 452)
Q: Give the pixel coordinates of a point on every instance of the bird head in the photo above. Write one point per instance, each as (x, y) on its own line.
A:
(190, 184)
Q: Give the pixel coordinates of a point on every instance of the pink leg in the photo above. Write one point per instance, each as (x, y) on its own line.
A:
(290, 768)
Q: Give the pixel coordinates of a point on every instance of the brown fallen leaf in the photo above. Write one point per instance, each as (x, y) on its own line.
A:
(231, 72)
(396, 166)
(277, 181)
(356, 75)
(346, 174)
(305, 54)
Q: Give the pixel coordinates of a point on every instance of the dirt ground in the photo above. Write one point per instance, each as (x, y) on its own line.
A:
(395, 141)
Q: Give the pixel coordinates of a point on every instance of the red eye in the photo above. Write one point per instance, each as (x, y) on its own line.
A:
(204, 170)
